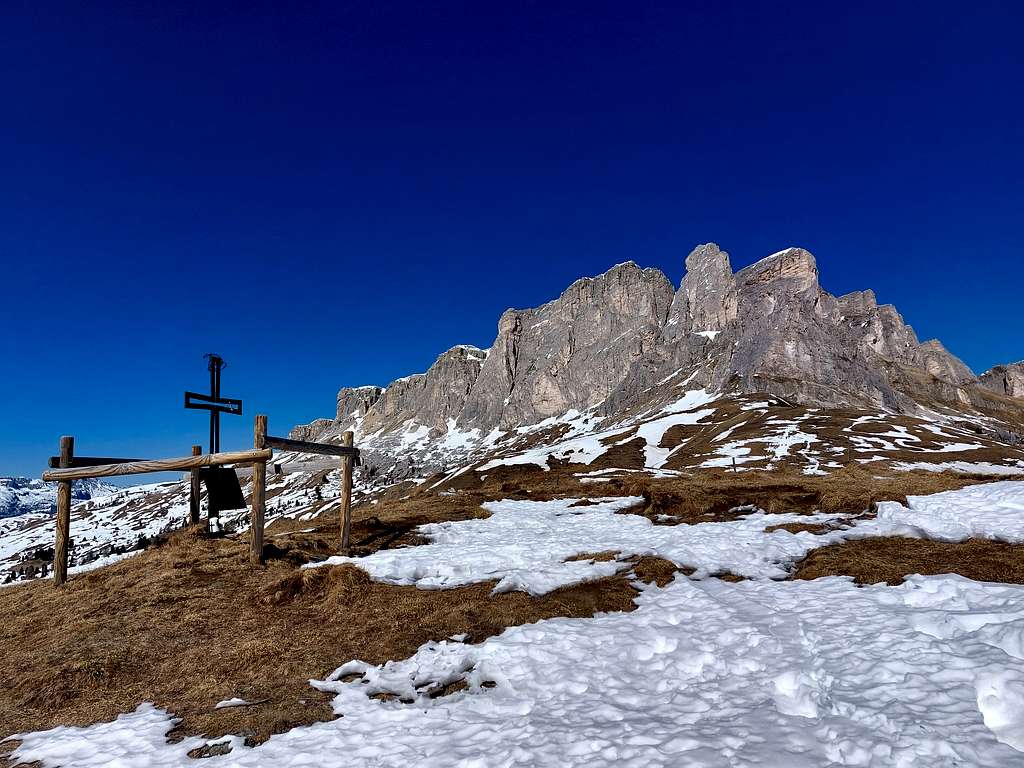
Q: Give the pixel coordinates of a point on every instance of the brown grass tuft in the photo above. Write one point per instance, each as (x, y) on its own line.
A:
(815, 528)
(597, 557)
(718, 496)
(657, 570)
(891, 559)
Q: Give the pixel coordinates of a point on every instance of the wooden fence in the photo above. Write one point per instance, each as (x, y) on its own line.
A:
(66, 468)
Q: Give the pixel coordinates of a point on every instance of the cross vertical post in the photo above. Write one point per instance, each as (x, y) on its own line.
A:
(216, 363)
(213, 402)
(63, 542)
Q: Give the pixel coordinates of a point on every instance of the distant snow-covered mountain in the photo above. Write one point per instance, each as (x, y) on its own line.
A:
(19, 495)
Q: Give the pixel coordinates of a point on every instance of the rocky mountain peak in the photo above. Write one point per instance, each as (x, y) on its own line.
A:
(706, 299)
(944, 365)
(620, 341)
(570, 352)
(794, 264)
(355, 402)
(438, 394)
(707, 266)
(618, 289)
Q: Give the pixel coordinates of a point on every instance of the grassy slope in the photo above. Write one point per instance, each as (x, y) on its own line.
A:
(189, 622)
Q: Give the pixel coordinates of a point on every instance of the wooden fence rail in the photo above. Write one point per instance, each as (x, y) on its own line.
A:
(301, 446)
(89, 461)
(65, 468)
(348, 454)
(160, 465)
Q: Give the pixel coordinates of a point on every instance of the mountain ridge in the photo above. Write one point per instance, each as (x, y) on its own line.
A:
(23, 495)
(608, 341)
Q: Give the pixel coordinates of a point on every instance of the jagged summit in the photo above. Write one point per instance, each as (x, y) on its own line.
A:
(618, 342)
(791, 263)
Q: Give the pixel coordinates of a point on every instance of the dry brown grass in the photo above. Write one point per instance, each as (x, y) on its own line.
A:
(190, 623)
(815, 528)
(710, 495)
(597, 557)
(891, 559)
(718, 496)
(657, 570)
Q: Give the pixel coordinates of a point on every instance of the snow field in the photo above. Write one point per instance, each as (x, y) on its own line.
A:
(989, 511)
(702, 673)
(524, 544)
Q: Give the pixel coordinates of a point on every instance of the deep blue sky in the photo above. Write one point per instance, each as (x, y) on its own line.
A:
(334, 194)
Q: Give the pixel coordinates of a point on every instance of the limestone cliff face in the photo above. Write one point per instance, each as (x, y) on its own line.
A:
(790, 337)
(355, 402)
(1005, 380)
(943, 365)
(706, 300)
(610, 343)
(430, 398)
(571, 352)
(780, 329)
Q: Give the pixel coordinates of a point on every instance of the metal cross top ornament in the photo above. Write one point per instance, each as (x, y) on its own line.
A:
(213, 402)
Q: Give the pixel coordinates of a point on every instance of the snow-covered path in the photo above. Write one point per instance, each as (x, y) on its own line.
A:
(703, 673)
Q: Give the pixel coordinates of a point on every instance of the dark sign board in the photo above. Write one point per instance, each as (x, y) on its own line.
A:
(222, 489)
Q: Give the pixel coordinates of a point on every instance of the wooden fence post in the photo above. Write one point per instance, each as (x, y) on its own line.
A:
(60, 550)
(259, 493)
(193, 497)
(346, 490)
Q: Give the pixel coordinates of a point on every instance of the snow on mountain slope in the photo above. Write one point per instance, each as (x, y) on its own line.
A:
(690, 430)
(608, 345)
(699, 430)
(20, 495)
(128, 518)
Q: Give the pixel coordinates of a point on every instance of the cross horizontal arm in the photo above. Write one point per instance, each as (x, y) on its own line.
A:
(214, 407)
(199, 401)
(160, 465)
(285, 444)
